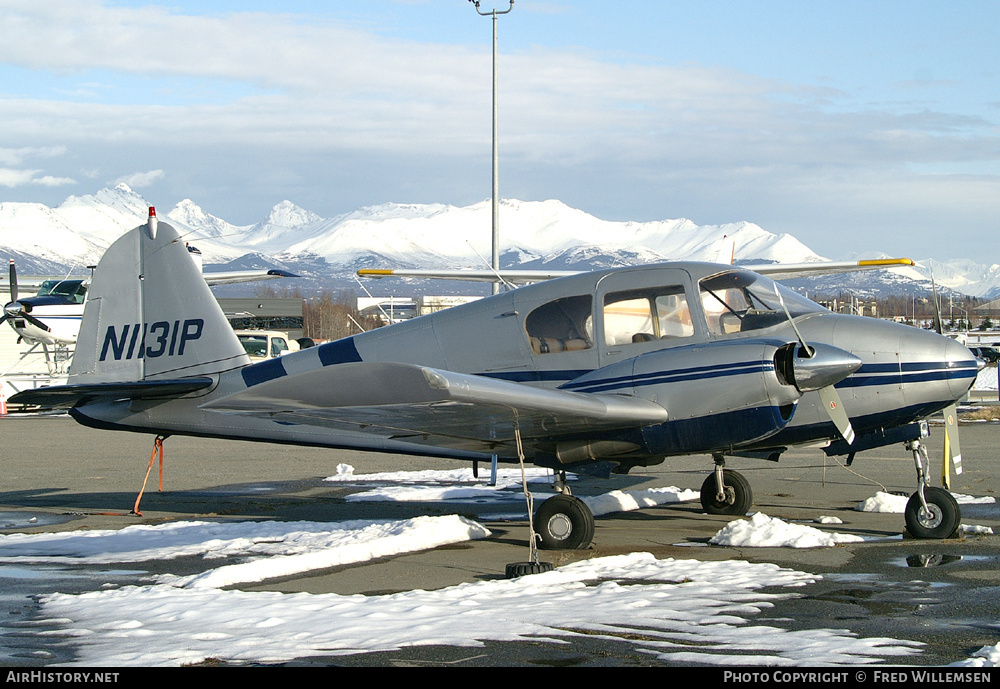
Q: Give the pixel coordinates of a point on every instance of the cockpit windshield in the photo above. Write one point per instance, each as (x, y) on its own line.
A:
(73, 290)
(739, 301)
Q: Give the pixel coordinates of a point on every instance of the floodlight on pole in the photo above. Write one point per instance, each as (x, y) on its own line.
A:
(496, 168)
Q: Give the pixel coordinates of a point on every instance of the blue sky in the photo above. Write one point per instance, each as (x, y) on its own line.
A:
(854, 126)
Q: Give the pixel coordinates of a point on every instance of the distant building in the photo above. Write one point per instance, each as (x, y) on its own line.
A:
(858, 307)
(395, 309)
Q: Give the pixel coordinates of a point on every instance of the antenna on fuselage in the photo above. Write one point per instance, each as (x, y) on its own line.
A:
(482, 258)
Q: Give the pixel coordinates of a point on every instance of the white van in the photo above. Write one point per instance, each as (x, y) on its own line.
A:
(266, 344)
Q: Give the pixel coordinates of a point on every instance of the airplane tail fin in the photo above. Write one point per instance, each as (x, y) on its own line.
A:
(727, 252)
(150, 315)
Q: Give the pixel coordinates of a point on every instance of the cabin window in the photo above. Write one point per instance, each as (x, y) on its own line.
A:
(646, 315)
(563, 325)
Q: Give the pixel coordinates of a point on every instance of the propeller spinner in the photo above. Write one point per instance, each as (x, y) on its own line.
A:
(818, 367)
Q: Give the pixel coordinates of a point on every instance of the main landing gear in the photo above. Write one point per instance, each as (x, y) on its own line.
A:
(931, 512)
(564, 522)
(726, 491)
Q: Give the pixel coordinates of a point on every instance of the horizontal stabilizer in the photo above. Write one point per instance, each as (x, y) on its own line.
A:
(66, 396)
(229, 277)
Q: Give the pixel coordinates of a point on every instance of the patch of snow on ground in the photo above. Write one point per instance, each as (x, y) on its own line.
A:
(272, 549)
(626, 501)
(762, 531)
(433, 485)
(883, 502)
(896, 504)
(662, 607)
(987, 656)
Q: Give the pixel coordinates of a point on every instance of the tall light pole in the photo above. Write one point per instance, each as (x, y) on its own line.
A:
(496, 169)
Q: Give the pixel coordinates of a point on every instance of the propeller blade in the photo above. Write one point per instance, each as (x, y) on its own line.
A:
(938, 325)
(835, 408)
(952, 455)
(35, 322)
(952, 445)
(13, 281)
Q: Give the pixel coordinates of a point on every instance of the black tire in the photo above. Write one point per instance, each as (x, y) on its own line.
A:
(521, 569)
(564, 522)
(943, 519)
(739, 494)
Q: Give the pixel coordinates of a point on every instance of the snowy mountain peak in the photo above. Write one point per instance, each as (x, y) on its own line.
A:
(187, 212)
(287, 214)
(532, 234)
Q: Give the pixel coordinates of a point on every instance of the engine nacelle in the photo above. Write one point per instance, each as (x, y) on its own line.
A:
(718, 396)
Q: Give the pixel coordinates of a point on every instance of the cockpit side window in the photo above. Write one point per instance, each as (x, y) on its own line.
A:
(645, 315)
(739, 301)
(73, 290)
(563, 325)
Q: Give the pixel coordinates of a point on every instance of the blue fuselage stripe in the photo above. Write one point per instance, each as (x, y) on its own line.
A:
(662, 377)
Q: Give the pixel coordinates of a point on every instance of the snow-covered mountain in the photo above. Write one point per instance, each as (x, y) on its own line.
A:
(533, 234)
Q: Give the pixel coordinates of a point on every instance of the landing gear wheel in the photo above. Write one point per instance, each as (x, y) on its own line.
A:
(521, 569)
(939, 520)
(564, 522)
(739, 494)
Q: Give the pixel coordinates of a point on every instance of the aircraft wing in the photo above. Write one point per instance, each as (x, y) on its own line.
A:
(787, 271)
(776, 271)
(29, 284)
(435, 407)
(232, 276)
(514, 277)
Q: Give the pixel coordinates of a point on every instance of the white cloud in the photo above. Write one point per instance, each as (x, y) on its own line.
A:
(139, 180)
(275, 97)
(10, 177)
(16, 156)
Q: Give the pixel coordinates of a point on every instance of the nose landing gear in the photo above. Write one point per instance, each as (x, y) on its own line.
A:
(931, 512)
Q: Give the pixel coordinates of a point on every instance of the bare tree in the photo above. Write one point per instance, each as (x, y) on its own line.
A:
(334, 315)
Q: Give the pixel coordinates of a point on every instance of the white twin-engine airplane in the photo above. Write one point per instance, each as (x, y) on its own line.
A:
(594, 372)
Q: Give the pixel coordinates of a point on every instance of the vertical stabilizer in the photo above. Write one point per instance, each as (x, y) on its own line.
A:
(149, 314)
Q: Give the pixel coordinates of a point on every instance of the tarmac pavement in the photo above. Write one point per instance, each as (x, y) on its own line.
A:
(69, 477)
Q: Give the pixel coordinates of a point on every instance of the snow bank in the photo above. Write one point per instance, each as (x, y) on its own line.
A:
(761, 531)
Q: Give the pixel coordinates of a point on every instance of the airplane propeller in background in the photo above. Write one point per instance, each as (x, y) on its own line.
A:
(15, 309)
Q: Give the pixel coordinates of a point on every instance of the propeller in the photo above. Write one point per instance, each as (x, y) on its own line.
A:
(818, 367)
(17, 309)
(952, 446)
